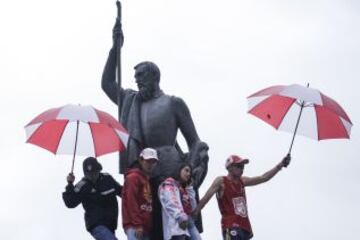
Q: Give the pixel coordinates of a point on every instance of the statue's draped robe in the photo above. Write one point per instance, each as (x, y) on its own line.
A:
(130, 118)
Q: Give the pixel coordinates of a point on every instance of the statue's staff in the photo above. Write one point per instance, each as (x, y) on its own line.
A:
(118, 64)
(118, 59)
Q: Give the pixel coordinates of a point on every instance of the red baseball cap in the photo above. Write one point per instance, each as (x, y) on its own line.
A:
(232, 159)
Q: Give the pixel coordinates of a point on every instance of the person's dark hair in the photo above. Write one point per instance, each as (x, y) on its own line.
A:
(177, 176)
(152, 68)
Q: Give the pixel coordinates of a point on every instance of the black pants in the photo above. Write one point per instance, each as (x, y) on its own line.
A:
(157, 229)
(236, 234)
(182, 237)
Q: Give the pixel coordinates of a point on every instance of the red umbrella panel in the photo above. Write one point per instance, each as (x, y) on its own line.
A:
(301, 110)
(77, 130)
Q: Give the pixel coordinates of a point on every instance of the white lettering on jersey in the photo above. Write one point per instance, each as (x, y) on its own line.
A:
(240, 206)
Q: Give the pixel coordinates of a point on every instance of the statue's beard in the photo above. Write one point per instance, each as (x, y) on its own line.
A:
(145, 94)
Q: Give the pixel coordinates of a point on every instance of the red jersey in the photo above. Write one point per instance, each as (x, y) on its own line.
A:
(136, 201)
(233, 207)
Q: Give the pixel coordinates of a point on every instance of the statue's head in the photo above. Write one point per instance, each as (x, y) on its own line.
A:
(147, 75)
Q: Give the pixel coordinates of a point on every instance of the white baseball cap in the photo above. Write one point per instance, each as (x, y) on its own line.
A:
(149, 153)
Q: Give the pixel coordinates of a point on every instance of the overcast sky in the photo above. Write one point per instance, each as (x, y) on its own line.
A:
(213, 54)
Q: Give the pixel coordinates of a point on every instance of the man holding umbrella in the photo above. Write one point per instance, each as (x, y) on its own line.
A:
(231, 197)
(97, 192)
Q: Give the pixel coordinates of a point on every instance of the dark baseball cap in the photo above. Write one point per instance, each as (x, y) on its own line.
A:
(91, 164)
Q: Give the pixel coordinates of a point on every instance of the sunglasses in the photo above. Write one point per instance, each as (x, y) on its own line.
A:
(241, 166)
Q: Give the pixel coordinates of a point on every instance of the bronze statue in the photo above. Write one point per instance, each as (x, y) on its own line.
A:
(153, 119)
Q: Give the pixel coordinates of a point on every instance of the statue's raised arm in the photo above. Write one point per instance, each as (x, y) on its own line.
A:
(108, 81)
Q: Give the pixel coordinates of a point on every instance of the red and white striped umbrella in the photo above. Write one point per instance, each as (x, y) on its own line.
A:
(301, 110)
(77, 130)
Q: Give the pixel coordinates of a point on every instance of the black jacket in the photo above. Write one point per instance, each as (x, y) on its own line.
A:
(99, 200)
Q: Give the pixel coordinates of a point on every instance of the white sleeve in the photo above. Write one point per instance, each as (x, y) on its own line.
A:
(169, 196)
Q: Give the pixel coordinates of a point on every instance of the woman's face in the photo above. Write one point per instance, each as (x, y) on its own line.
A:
(185, 174)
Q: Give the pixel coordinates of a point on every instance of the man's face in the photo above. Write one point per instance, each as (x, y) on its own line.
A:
(145, 83)
(237, 169)
(92, 176)
(148, 165)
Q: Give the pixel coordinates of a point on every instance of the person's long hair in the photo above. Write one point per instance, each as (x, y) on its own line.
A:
(177, 175)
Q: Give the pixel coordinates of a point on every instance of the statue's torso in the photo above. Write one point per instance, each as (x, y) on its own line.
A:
(158, 121)
(159, 125)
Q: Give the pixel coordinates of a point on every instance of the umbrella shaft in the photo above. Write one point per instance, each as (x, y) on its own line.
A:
(297, 125)
(76, 139)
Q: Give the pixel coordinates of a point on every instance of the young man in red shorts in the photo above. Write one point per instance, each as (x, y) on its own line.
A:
(231, 197)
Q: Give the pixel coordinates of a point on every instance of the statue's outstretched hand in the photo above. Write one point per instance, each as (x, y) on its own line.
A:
(198, 175)
(199, 158)
(118, 36)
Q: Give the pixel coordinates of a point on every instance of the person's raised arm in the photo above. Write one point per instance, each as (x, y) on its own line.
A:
(251, 181)
(108, 80)
(73, 195)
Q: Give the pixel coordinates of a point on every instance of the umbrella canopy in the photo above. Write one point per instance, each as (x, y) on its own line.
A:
(77, 130)
(297, 108)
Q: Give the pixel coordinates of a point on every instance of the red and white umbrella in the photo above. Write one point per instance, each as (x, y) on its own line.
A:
(301, 110)
(77, 130)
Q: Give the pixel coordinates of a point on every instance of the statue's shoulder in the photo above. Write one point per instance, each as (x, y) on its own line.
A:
(129, 91)
(177, 101)
(128, 95)
(179, 106)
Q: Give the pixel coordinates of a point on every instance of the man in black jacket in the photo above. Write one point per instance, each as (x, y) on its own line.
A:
(97, 192)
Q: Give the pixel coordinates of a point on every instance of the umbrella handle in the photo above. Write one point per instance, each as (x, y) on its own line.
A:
(76, 139)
